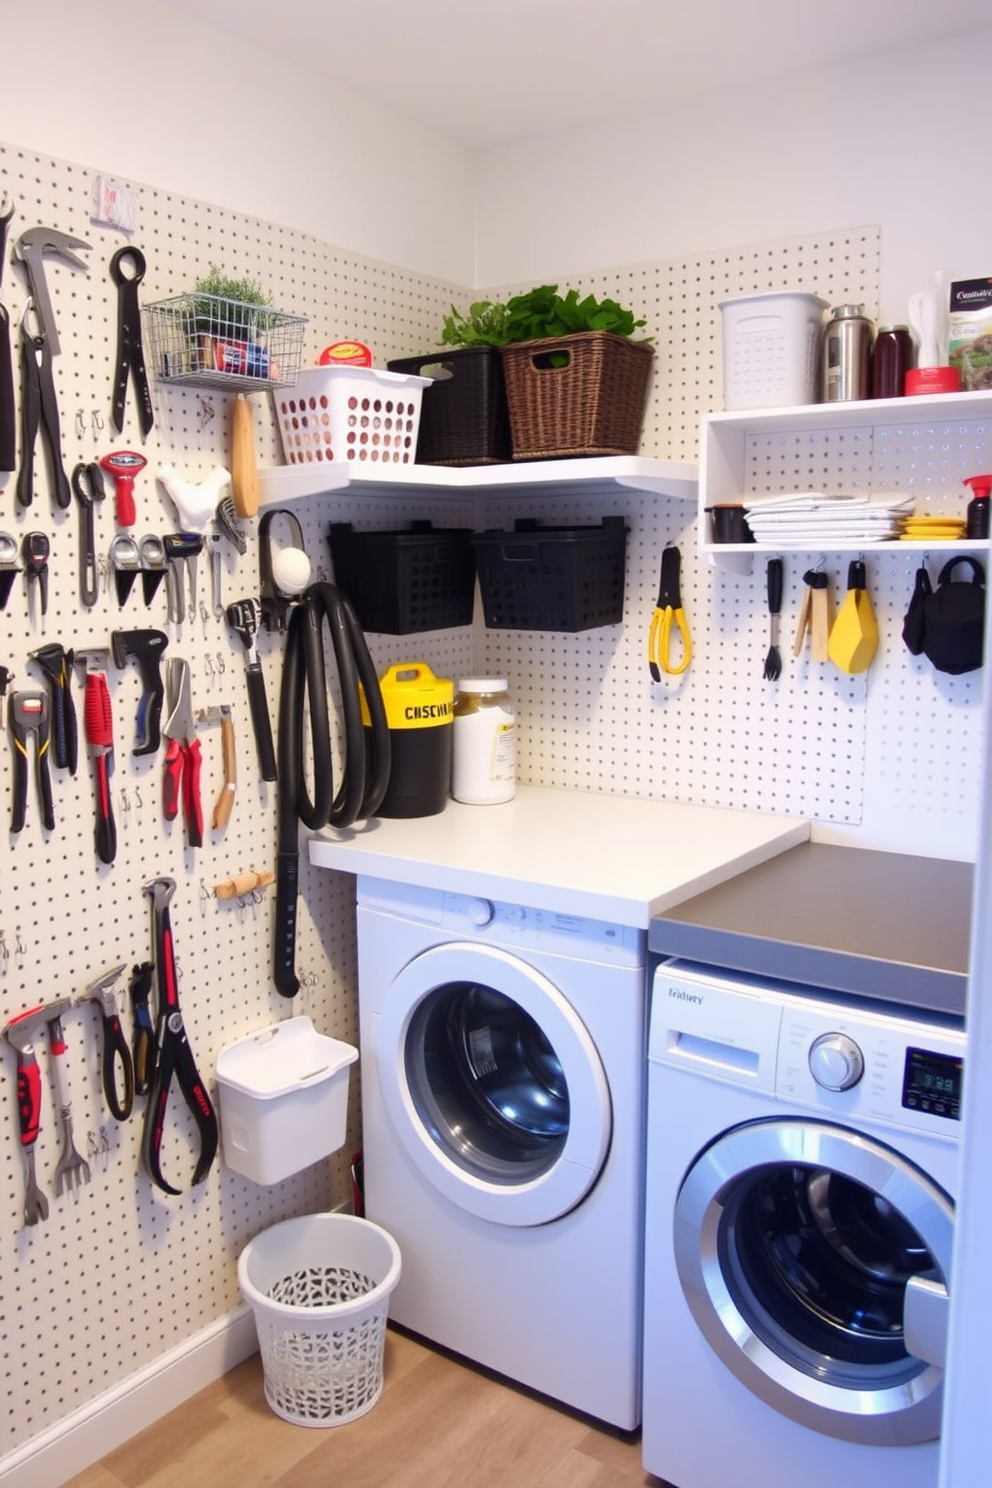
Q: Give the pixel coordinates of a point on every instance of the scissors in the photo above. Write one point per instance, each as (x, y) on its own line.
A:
(668, 612)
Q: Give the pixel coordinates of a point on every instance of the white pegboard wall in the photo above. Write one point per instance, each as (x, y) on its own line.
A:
(64, 918)
(679, 298)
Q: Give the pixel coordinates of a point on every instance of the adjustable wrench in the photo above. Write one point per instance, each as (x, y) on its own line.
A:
(30, 250)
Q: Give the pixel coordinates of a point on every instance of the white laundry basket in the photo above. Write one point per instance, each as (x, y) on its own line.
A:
(771, 349)
(319, 1287)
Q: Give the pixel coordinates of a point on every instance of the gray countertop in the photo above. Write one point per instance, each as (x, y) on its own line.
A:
(881, 925)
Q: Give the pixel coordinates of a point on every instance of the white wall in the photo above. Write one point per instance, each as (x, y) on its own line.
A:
(143, 93)
(896, 141)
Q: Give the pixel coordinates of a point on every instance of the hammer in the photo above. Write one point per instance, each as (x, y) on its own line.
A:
(98, 725)
(30, 250)
(20, 1033)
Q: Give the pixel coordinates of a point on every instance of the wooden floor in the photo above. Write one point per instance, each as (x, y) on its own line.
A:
(439, 1423)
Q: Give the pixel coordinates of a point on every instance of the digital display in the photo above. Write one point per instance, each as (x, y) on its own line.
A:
(932, 1083)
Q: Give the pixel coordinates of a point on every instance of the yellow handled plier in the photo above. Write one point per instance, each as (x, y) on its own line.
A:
(669, 612)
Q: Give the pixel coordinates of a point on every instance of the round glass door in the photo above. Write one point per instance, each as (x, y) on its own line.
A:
(806, 1253)
(493, 1084)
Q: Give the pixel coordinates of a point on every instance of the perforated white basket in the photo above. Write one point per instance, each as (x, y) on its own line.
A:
(771, 350)
(319, 1288)
(359, 414)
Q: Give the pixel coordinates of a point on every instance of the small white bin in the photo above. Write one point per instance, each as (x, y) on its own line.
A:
(283, 1095)
(319, 1288)
(359, 414)
(771, 349)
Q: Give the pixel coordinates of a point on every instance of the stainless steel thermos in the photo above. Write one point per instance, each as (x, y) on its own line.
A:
(847, 345)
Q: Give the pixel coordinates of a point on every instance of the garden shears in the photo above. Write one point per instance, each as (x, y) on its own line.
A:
(668, 613)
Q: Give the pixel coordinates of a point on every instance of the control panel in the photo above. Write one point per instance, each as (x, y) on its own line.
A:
(843, 1058)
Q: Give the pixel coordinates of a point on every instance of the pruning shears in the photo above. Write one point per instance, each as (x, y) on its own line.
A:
(669, 613)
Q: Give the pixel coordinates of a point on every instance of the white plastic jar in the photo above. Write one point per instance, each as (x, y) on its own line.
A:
(484, 743)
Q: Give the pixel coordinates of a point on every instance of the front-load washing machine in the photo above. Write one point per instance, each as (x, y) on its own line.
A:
(503, 1077)
(800, 1183)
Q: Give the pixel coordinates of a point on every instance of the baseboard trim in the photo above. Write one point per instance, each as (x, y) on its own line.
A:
(50, 1459)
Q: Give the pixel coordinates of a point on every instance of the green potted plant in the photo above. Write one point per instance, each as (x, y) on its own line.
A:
(228, 316)
(463, 414)
(576, 379)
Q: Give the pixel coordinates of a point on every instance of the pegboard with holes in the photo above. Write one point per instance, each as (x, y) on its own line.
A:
(65, 917)
(679, 299)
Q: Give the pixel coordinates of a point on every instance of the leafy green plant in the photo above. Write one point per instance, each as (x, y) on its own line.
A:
(223, 300)
(543, 312)
(483, 325)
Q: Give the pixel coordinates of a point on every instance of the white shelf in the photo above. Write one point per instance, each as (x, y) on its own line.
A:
(840, 447)
(282, 484)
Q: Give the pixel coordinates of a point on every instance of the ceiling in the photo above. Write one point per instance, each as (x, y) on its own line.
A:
(484, 73)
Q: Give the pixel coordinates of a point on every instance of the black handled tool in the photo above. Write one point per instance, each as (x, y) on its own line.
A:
(130, 354)
(27, 713)
(88, 488)
(8, 418)
(243, 618)
(175, 1058)
(115, 1048)
(8, 428)
(144, 1052)
(36, 551)
(56, 663)
(39, 409)
(147, 648)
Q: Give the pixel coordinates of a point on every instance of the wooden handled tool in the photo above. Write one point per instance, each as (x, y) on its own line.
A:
(244, 471)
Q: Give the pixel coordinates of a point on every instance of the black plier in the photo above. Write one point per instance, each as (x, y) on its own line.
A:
(130, 353)
(39, 408)
(669, 612)
(175, 1058)
(115, 1050)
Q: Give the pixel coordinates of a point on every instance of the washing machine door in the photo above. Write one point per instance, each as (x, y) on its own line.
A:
(492, 1084)
(816, 1263)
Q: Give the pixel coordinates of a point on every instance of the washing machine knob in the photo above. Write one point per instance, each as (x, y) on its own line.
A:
(835, 1061)
(479, 912)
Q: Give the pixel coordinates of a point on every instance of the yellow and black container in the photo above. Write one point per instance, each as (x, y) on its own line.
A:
(419, 712)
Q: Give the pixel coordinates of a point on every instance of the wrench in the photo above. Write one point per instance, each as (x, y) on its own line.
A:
(30, 250)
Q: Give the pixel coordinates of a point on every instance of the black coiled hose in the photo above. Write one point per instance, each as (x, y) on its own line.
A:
(365, 768)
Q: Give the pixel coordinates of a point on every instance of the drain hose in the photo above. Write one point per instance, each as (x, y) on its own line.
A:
(365, 764)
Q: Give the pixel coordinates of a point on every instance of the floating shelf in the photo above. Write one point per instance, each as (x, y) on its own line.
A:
(282, 484)
(875, 444)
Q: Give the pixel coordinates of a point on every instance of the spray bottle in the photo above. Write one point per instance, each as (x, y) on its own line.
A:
(978, 507)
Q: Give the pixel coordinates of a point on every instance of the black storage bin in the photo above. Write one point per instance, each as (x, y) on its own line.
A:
(463, 414)
(552, 578)
(402, 582)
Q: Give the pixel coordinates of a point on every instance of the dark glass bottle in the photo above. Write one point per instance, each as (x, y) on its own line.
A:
(892, 358)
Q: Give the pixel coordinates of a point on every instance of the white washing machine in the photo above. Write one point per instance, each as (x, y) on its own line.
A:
(800, 1185)
(503, 1079)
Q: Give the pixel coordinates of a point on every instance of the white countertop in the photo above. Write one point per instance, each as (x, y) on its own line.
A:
(615, 858)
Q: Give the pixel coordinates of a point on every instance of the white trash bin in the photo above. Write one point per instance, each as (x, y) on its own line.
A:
(319, 1287)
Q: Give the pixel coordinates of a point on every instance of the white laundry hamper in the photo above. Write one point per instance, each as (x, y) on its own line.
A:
(319, 1288)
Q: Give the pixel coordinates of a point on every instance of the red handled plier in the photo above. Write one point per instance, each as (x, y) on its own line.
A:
(181, 781)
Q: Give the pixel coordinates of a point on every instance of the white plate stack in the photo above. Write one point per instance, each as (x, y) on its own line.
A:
(803, 518)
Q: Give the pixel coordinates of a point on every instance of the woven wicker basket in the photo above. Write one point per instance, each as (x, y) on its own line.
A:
(593, 405)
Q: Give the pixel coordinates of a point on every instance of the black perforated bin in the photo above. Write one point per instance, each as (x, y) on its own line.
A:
(552, 578)
(402, 582)
(463, 413)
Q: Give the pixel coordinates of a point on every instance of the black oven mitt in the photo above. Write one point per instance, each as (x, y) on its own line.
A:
(947, 624)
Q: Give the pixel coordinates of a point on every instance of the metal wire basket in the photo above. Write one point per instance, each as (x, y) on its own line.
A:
(202, 340)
